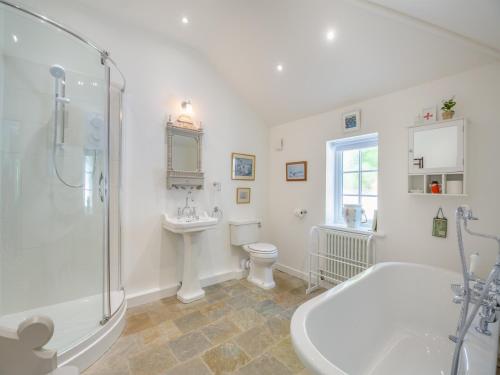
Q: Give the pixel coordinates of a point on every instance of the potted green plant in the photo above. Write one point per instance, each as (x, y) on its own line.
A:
(447, 108)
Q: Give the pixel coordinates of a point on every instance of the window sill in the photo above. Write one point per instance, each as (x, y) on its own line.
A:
(352, 230)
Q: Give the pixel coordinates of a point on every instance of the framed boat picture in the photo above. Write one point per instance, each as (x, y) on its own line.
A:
(242, 166)
(296, 171)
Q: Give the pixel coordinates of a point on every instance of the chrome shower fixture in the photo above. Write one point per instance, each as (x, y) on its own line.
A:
(60, 102)
(58, 72)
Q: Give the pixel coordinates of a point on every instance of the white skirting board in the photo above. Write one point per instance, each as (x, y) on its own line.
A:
(291, 271)
(151, 295)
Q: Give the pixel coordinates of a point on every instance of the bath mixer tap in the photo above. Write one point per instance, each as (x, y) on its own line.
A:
(483, 294)
(482, 327)
(487, 315)
(488, 311)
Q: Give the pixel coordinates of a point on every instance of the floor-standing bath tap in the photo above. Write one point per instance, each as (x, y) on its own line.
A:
(483, 293)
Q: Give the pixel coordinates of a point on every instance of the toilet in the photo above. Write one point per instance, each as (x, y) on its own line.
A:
(245, 233)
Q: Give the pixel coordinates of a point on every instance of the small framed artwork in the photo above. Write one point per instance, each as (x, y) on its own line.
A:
(242, 195)
(296, 171)
(351, 121)
(242, 167)
(429, 114)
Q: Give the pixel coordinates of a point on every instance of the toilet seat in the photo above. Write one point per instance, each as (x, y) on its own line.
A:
(261, 248)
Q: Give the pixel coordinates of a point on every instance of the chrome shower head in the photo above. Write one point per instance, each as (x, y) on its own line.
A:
(57, 71)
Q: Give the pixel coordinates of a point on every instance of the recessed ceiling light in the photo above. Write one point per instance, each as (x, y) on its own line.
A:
(80, 83)
(15, 38)
(279, 68)
(185, 20)
(330, 35)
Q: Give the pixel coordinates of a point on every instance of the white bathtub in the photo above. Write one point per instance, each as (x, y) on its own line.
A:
(392, 319)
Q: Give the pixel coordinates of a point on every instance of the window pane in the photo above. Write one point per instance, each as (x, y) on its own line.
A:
(350, 160)
(349, 199)
(350, 183)
(369, 183)
(369, 204)
(369, 157)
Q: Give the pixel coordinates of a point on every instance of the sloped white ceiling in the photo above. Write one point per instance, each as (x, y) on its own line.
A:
(371, 55)
(477, 19)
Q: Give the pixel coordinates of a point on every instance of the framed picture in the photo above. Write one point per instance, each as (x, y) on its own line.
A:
(429, 114)
(243, 167)
(351, 121)
(296, 171)
(242, 195)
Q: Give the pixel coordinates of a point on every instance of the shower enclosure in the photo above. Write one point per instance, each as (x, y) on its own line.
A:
(60, 148)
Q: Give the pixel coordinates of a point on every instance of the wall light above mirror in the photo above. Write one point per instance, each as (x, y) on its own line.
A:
(185, 119)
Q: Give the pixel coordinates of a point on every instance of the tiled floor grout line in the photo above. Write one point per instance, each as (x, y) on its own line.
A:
(214, 345)
(155, 325)
(275, 345)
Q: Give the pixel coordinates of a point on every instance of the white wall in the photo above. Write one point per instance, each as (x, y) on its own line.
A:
(2, 75)
(160, 75)
(405, 220)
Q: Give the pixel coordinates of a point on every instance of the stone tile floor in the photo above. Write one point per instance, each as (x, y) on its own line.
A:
(237, 328)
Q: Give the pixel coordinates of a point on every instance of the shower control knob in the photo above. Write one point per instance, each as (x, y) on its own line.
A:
(63, 100)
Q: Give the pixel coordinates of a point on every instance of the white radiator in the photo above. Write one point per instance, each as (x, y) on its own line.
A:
(336, 255)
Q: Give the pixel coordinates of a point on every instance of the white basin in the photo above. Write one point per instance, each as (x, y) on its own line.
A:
(191, 289)
(183, 225)
(392, 319)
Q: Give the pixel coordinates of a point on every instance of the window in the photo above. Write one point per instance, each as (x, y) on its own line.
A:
(354, 178)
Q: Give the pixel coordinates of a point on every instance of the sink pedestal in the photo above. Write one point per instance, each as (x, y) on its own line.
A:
(191, 289)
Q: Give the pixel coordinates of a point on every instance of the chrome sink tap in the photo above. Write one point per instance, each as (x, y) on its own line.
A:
(188, 212)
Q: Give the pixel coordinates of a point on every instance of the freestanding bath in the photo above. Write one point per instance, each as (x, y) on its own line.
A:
(392, 319)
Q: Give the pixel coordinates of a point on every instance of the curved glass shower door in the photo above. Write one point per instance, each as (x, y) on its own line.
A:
(53, 163)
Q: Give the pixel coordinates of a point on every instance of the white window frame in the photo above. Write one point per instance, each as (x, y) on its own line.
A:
(336, 163)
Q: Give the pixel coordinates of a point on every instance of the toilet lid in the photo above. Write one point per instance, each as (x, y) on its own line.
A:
(261, 247)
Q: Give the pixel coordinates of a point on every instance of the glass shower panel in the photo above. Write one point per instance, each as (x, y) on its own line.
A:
(115, 134)
(53, 150)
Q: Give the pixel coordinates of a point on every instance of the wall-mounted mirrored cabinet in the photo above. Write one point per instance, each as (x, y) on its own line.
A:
(184, 164)
(436, 158)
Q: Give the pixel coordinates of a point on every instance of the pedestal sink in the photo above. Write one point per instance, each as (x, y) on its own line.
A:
(191, 289)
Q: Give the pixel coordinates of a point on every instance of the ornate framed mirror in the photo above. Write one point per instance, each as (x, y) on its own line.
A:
(184, 160)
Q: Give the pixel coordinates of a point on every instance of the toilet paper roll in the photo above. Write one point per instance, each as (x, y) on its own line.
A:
(454, 187)
(300, 212)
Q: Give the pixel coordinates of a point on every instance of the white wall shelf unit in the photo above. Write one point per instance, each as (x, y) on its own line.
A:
(420, 184)
(436, 152)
